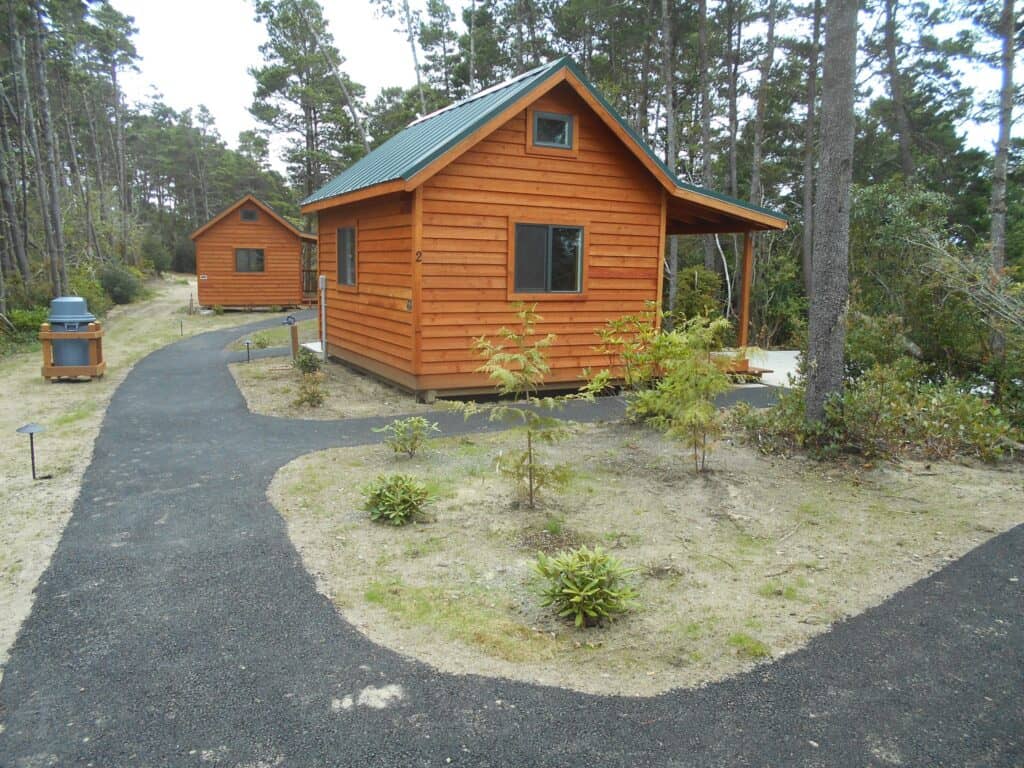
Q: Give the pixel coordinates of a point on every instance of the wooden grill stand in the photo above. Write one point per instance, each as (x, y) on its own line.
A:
(97, 365)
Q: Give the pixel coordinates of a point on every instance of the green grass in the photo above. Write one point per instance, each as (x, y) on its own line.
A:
(278, 337)
(77, 413)
(555, 525)
(465, 616)
(790, 590)
(748, 646)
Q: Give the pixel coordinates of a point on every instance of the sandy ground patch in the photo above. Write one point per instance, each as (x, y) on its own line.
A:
(735, 568)
(33, 515)
(270, 387)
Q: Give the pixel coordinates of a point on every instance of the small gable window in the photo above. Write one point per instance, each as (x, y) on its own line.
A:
(249, 260)
(250, 214)
(549, 258)
(347, 256)
(552, 130)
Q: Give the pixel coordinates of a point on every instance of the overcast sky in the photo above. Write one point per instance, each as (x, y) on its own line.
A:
(198, 52)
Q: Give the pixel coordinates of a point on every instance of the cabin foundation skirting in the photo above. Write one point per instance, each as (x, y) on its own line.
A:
(427, 387)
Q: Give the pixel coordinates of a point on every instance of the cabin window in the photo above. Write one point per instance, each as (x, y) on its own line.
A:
(552, 130)
(549, 258)
(347, 256)
(249, 260)
(250, 214)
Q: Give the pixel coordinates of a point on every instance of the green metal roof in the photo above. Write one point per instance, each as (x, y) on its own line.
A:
(429, 137)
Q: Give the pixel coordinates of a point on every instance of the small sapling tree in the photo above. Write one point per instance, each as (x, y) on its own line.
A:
(517, 363)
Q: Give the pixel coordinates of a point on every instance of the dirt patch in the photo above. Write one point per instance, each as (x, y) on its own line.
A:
(34, 514)
(745, 564)
(271, 385)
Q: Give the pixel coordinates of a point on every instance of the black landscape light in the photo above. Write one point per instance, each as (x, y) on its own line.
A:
(32, 430)
(248, 346)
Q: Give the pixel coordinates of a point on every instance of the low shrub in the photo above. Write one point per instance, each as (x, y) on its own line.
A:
(697, 292)
(261, 340)
(28, 320)
(307, 361)
(407, 435)
(218, 309)
(311, 390)
(396, 499)
(890, 411)
(84, 282)
(587, 585)
(682, 402)
(120, 284)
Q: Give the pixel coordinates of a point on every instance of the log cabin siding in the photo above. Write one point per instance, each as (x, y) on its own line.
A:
(279, 284)
(469, 210)
(371, 323)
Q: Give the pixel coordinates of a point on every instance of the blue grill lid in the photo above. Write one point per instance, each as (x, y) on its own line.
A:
(70, 309)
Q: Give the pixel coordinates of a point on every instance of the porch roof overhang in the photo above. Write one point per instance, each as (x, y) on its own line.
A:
(694, 213)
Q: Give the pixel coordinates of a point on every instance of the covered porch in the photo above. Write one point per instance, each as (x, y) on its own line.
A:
(692, 212)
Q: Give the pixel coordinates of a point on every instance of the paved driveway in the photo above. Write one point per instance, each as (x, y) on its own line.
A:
(177, 626)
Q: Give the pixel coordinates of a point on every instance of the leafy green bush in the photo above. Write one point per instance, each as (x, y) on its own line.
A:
(261, 340)
(307, 361)
(83, 282)
(889, 411)
(120, 284)
(28, 320)
(396, 499)
(407, 435)
(874, 341)
(311, 390)
(587, 585)
(218, 309)
(697, 292)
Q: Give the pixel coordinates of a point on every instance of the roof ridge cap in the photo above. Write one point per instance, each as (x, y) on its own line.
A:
(488, 91)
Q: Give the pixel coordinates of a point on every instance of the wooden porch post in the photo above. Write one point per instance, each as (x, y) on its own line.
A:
(748, 271)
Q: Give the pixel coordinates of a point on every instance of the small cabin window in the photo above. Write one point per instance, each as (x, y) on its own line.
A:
(549, 258)
(249, 260)
(250, 214)
(552, 130)
(347, 256)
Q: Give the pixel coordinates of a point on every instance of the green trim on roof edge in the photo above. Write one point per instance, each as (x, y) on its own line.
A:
(426, 142)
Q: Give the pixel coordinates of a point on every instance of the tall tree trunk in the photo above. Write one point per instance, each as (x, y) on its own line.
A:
(735, 28)
(8, 198)
(671, 151)
(895, 77)
(810, 133)
(50, 148)
(472, 46)
(756, 191)
(410, 34)
(81, 185)
(121, 163)
(94, 140)
(1006, 94)
(997, 207)
(710, 252)
(827, 328)
(30, 141)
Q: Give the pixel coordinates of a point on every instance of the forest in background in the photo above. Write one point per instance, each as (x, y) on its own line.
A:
(96, 191)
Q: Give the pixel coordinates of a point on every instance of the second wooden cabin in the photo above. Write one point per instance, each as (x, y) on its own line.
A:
(532, 191)
(249, 256)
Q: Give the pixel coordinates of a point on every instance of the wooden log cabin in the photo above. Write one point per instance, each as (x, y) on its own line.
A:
(534, 190)
(249, 256)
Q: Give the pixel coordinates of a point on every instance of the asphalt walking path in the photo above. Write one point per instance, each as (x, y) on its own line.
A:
(176, 625)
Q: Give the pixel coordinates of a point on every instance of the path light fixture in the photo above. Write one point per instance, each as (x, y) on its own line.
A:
(248, 347)
(32, 430)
